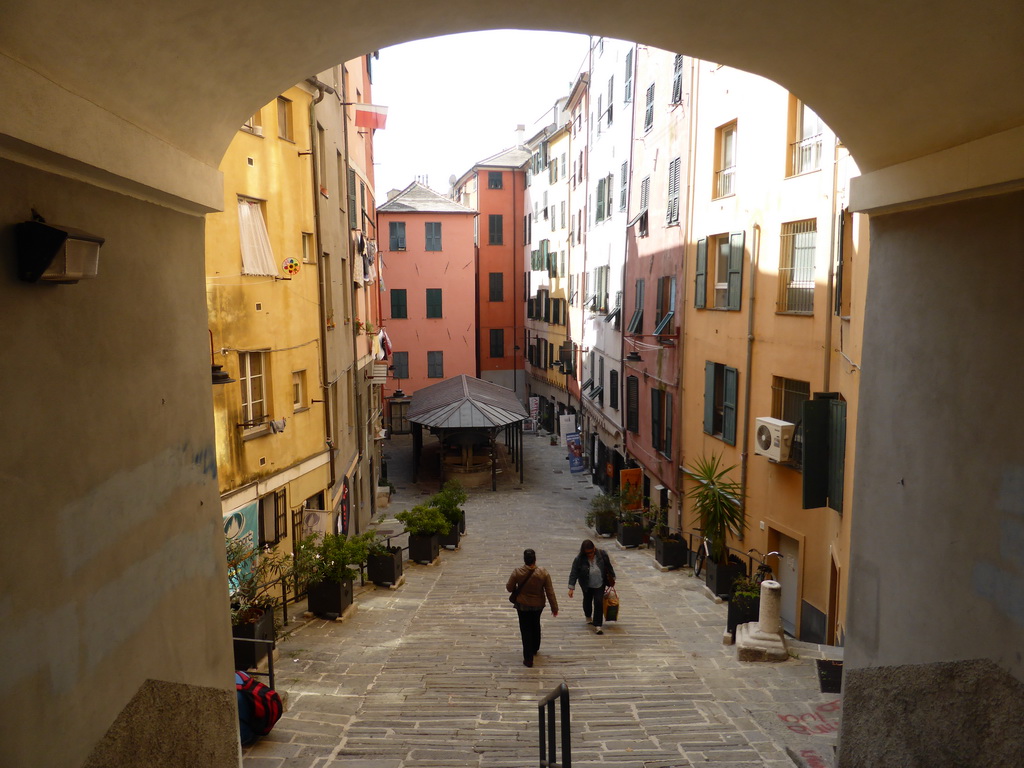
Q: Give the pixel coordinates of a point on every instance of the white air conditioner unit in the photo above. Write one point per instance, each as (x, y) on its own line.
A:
(773, 438)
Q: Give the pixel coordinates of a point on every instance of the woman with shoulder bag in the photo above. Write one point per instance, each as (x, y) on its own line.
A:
(593, 569)
(530, 587)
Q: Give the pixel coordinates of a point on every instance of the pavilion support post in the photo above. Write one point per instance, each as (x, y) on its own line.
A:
(494, 460)
(417, 449)
(522, 459)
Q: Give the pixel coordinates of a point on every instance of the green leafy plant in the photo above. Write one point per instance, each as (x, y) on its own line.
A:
(330, 556)
(449, 500)
(254, 579)
(745, 591)
(378, 545)
(605, 507)
(717, 503)
(424, 520)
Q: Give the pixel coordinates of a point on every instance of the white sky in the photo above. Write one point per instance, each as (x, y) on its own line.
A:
(455, 100)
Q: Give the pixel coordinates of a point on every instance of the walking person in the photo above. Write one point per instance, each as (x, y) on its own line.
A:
(530, 587)
(593, 569)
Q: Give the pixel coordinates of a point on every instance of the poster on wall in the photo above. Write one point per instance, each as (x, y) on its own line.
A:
(575, 446)
(343, 510)
(534, 407)
(631, 481)
(241, 526)
(567, 423)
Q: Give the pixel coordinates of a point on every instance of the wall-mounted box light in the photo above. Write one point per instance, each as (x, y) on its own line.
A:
(55, 254)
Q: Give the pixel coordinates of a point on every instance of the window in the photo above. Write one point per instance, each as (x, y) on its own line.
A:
(399, 304)
(677, 79)
(495, 229)
(434, 302)
(497, 342)
(308, 248)
(600, 296)
(613, 389)
(400, 364)
(563, 165)
(632, 404)
(611, 91)
(824, 451)
(273, 522)
(666, 308)
(628, 96)
(649, 113)
(609, 199)
(788, 398)
(494, 180)
(284, 118)
(844, 270)
(661, 421)
(398, 412)
(254, 124)
(645, 199)
(727, 270)
(497, 286)
(396, 235)
(796, 267)
(252, 379)
(623, 186)
(725, 161)
(672, 212)
(602, 190)
(433, 235)
(721, 385)
(353, 216)
(561, 214)
(298, 390)
(363, 218)
(636, 323)
(257, 255)
(805, 146)
(435, 365)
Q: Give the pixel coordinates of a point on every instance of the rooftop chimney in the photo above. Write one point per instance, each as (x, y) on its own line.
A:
(520, 135)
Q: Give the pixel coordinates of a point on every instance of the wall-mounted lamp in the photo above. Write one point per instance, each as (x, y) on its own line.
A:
(398, 393)
(634, 357)
(220, 376)
(55, 254)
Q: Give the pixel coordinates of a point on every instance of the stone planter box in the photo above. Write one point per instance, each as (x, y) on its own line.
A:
(329, 598)
(630, 534)
(671, 553)
(423, 549)
(248, 655)
(385, 570)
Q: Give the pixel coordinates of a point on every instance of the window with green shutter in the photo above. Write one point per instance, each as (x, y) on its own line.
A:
(721, 385)
(649, 113)
(353, 213)
(432, 236)
(636, 322)
(633, 404)
(497, 342)
(599, 211)
(656, 403)
(700, 294)
(677, 79)
(494, 180)
(396, 235)
(400, 362)
(434, 308)
(497, 286)
(824, 438)
(399, 304)
(435, 365)
(735, 276)
(495, 229)
(672, 212)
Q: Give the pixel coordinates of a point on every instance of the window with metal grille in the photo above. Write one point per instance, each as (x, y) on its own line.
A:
(432, 236)
(805, 149)
(399, 304)
(725, 161)
(435, 365)
(796, 267)
(434, 305)
(495, 229)
(788, 398)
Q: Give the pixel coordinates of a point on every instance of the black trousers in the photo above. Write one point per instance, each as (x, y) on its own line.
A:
(593, 604)
(529, 628)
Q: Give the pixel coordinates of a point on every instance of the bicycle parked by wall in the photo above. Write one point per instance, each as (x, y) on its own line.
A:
(764, 571)
(703, 553)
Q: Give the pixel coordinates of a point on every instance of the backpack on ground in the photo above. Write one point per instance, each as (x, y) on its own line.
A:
(259, 707)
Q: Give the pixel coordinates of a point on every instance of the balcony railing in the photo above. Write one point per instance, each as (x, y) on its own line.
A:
(805, 155)
(725, 181)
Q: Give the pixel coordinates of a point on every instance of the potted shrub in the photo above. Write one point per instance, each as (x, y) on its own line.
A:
(425, 525)
(630, 529)
(324, 561)
(744, 604)
(450, 500)
(670, 549)
(383, 563)
(254, 585)
(604, 510)
(718, 505)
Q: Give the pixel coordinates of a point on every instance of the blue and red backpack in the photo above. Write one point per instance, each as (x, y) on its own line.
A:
(259, 707)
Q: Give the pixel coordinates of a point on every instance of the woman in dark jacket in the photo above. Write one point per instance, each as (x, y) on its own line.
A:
(532, 588)
(593, 569)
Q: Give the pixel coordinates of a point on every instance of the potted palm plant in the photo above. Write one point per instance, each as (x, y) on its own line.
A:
(254, 586)
(425, 525)
(383, 563)
(328, 563)
(670, 548)
(718, 505)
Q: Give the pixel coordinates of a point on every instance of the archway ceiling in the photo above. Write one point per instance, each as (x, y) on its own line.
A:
(896, 80)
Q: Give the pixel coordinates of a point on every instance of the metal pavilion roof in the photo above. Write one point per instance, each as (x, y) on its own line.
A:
(464, 402)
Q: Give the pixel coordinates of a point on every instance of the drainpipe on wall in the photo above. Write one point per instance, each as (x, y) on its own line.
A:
(755, 252)
(325, 387)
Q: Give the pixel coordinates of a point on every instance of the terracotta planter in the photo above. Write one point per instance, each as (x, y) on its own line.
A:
(248, 655)
(329, 598)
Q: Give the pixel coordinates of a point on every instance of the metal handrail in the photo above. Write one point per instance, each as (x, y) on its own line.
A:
(549, 759)
(270, 657)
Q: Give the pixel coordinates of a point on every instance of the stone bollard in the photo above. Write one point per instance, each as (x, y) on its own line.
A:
(769, 616)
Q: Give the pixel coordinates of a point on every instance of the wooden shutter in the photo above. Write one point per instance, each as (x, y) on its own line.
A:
(735, 277)
(814, 418)
(709, 397)
(701, 293)
(730, 390)
(666, 446)
(600, 208)
(633, 404)
(353, 216)
(655, 418)
(672, 211)
(836, 453)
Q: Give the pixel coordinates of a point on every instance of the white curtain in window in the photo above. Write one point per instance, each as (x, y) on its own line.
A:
(257, 256)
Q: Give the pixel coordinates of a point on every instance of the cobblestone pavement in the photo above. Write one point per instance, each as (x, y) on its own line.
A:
(431, 674)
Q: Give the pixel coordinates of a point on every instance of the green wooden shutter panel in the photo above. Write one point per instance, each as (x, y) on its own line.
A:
(353, 220)
(709, 397)
(701, 292)
(632, 404)
(729, 398)
(655, 418)
(666, 447)
(735, 277)
(814, 415)
(836, 453)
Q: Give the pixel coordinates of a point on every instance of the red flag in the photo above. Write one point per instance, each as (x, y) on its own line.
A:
(370, 116)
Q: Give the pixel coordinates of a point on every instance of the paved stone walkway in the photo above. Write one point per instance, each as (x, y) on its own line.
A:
(431, 674)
